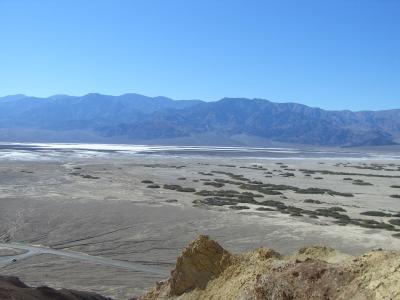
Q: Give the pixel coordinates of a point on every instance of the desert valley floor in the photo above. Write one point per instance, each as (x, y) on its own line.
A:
(115, 226)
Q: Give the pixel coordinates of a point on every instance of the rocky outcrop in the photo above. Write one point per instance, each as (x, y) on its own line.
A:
(206, 271)
(11, 288)
(200, 262)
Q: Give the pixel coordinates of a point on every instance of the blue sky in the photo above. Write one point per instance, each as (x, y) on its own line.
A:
(331, 54)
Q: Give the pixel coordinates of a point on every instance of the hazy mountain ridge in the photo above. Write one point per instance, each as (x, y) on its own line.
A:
(137, 117)
(62, 112)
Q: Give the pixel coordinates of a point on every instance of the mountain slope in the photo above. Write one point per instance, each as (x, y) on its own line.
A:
(289, 123)
(133, 117)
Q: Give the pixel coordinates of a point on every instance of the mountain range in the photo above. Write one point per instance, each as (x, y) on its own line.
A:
(134, 118)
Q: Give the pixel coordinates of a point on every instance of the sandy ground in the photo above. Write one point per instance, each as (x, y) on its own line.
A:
(102, 208)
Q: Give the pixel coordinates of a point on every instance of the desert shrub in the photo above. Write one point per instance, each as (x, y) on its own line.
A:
(288, 174)
(206, 174)
(337, 208)
(312, 201)
(332, 193)
(178, 188)
(375, 224)
(215, 184)
(361, 182)
(239, 207)
(252, 194)
(219, 193)
(171, 200)
(90, 177)
(375, 214)
(216, 201)
(172, 187)
(256, 182)
(311, 191)
(273, 203)
(187, 190)
(395, 222)
(153, 186)
(326, 212)
(296, 214)
(147, 181)
(265, 209)
(246, 199)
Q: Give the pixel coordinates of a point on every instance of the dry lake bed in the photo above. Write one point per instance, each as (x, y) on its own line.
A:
(114, 224)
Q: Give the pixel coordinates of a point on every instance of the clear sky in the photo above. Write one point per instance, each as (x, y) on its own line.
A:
(341, 54)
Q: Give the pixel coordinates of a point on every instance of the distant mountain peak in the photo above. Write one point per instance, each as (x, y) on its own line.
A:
(13, 97)
(134, 117)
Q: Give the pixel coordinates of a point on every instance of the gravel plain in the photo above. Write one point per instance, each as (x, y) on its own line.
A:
(146, 209)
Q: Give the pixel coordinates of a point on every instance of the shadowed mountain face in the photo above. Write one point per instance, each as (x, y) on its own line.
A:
(11, 288)
(133, 117)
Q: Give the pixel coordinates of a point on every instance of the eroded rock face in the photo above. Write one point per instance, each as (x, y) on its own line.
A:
(311, 279)
(202, 260)
(206, 271)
